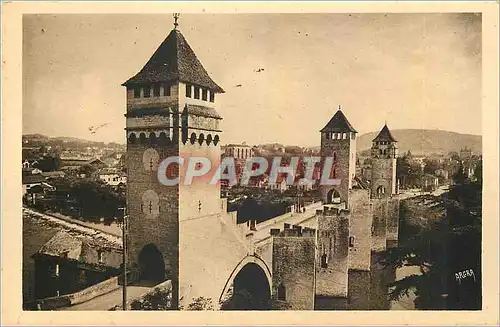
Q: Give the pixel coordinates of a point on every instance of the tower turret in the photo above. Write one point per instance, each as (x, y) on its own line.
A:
(338, 141)
(384, 153)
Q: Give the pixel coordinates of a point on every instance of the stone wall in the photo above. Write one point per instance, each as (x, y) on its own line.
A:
(392, 221)
(293, 270)
(360, 230)
(379, 225)
(333, 237)
(78, 297)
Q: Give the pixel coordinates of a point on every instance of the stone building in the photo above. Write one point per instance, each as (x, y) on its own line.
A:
(70, 262)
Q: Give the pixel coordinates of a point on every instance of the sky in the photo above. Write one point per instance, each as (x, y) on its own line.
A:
(409, 70)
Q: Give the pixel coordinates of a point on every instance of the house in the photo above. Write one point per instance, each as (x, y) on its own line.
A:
(31, 171)
(70, 262)
(305, 184)
(112, 177)
(53, 174)
(280, 184)
(30, 181)
(238, 151)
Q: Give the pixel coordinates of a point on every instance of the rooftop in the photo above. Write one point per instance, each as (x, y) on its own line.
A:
(338, 123)
(174, 61)
(385, 135)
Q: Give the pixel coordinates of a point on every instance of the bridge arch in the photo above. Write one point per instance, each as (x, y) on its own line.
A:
(251, 275)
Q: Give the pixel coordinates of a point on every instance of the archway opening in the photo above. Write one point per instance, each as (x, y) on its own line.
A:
(250, 290)
(333, 196)
(151, 264)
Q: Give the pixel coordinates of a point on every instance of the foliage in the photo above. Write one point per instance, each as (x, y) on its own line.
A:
(157, 300)
(49, 163)
(431, 165)
(408, 172)
(443, 238)
(86, 199)
(201, 304)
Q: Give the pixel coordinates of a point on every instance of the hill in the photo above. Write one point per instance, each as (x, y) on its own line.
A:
(426, 141)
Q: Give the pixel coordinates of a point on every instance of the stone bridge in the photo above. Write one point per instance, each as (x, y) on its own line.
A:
(219, 257)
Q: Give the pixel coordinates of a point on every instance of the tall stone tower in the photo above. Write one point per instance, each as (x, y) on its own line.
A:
(338, 140)
(171, 111)
(383, 190)
(383, 154)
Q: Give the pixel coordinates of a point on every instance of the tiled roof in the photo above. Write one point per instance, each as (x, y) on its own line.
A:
(202, 111)
(385, 135)
(338, 123)
(74, 246)
(31, 179)
(174, 60)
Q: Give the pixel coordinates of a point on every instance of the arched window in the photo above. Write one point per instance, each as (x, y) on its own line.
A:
(193, 138)
(281, 292)
(380, 190)
(132, 138)
(216, 139)
(201, 139)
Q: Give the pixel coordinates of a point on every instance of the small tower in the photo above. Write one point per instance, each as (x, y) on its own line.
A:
(384, 153)
(338, 141)
(171, 111)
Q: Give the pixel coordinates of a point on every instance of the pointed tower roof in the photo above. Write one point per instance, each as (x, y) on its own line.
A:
(174, 60)
(385, 135)
(338, 123)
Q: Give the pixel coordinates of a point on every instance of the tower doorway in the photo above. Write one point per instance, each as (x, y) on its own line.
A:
(333, 196)
(151, 264)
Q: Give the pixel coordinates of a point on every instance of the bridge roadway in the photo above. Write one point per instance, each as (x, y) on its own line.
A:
(302, 219)
(109, 300)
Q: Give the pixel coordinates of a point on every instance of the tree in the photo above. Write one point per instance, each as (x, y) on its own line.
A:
(431, 166)
(49, 163)
(157, 300)
(443, 240)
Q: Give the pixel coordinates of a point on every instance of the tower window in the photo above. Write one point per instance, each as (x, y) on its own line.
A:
(196, 92)
(212, 96)
(147, 92)
(100, 256)
(327, 136)
(156, 91)
(188, 90)
(344, 136)
(137, 92)
(324, 261)
(281, 292)
(351, 241)
(204, 94)
(166, 90)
